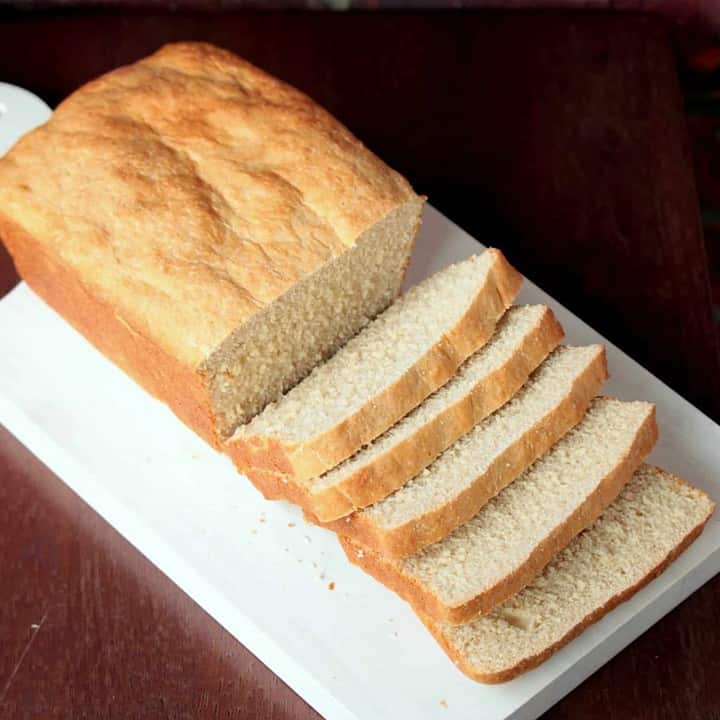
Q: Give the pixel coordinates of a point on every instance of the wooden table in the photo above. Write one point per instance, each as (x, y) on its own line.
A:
(560, 138)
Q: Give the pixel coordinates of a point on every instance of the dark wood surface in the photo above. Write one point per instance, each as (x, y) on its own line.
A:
(558, 137)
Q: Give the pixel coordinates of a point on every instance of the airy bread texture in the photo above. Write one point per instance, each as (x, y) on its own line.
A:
(473, 470)
(209, 228)
(489, 378)
(517, 533)
(385, 371)
(652, 521)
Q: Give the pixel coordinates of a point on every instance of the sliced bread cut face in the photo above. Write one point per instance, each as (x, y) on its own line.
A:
(512, 538)
(282, 344)
(523, 339)
(652, 521)
(454, 488)
(392, 365)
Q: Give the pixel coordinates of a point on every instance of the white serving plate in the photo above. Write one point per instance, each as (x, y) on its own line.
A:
(357, 652)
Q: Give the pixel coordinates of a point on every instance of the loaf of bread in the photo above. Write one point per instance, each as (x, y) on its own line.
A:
(239, 253)
(209, 228)
(652, 521)
(511, 539)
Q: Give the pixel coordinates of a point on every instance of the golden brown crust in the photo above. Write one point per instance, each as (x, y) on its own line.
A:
(184, 195)
(299, 462)
(272, 486)
(161, 374)
(413, 536)
(533, 661)
(193, 190)
(427, 603)
(403, 461)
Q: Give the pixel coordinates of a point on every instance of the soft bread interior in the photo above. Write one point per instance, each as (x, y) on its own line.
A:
(375, 359)
(462, 463)
(511, 330)
(511, 528)
(281, 345)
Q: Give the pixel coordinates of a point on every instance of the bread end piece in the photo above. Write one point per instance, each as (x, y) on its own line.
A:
(474, 670)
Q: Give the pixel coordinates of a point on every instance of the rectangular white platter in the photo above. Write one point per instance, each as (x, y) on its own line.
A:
(356, 652)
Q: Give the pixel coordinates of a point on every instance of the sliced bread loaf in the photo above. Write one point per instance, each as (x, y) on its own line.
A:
(517, 533)
(489, 378)
(652, 521)
(452, 490)
(381, 374)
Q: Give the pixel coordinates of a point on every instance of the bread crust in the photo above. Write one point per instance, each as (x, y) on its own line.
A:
(426, 603)
(413, 536)
(533, 661)
(403, 461)
(194, 190)
(274, 486)
(161, 374)
(184, 195)
(255, 455)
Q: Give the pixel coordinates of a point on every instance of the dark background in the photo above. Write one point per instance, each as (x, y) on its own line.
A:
(560, 137)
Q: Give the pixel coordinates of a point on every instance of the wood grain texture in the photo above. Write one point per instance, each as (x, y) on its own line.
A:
(109, 635)
(558, 137)
(118, 640)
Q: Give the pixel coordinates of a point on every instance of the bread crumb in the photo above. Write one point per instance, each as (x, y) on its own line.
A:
(291, 525)
(444, 704)
(331, 586)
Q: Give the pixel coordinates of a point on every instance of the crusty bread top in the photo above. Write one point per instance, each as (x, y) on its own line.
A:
(192, 189)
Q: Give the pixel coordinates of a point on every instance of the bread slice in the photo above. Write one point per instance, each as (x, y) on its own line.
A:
(399, 359)
(209, 228)
(489, 378)
(518, 532)
(449, 492)
(652, 521)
